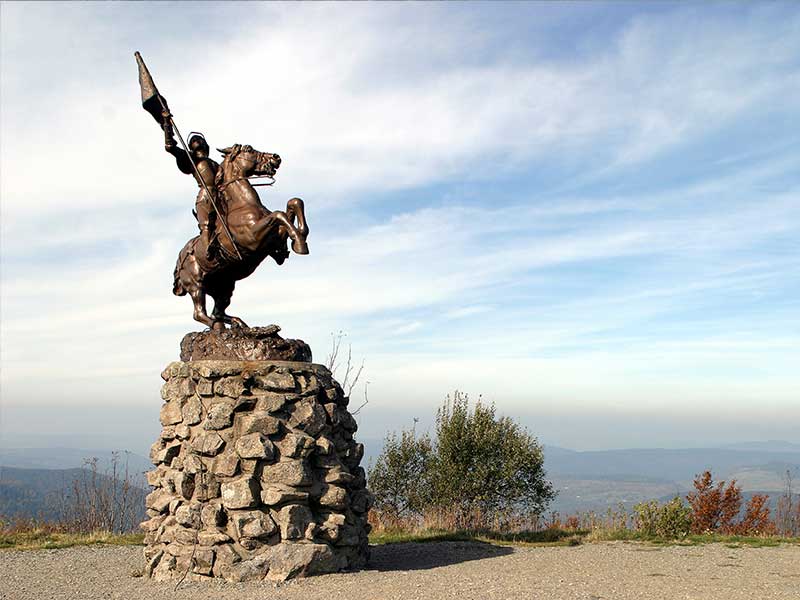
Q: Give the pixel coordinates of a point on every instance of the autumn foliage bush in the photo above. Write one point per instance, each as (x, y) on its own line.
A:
(716, 508)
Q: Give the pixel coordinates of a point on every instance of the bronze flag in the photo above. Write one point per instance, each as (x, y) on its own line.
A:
(152, 101)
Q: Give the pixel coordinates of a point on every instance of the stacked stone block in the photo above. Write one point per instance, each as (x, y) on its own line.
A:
(257, 474)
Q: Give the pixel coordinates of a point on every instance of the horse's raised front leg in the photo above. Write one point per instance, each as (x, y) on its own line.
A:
(298, 241)
(295, 209)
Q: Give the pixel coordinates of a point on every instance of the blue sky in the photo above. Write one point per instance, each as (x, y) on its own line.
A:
(586, 213)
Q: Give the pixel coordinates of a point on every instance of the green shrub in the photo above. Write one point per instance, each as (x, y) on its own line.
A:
(399, 479)
(477, 465)
(647, 517)
(672, 520)
(486, 463)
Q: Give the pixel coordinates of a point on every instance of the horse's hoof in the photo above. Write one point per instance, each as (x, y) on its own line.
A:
(237, 323)
(300, 247)
(218, 326)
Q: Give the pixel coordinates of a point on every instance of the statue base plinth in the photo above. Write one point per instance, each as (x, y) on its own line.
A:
(257, 474)
(243, 343)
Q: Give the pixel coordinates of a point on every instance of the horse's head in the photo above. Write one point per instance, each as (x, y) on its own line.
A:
(242, 160)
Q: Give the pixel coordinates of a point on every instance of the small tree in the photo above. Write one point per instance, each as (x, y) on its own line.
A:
(714, 508)
(730, 505)
(478, 465)
(399, 478)
(486, 463)
(756, 519)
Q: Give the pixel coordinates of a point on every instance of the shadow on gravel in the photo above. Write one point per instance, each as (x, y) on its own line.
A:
(429, 555)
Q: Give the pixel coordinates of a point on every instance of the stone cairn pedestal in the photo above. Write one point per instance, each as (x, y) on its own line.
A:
(257, 473)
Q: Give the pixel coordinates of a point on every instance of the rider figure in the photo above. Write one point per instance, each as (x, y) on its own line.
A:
(207, 169)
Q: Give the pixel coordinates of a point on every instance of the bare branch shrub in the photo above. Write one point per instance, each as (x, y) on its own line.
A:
(350, 372)
(98, 500)
(787, 513)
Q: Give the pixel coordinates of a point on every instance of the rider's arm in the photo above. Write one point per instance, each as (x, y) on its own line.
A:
(183, 160)
(181, 157)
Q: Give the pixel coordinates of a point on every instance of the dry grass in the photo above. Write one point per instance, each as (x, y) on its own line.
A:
(566, 537)
(45, 538)
(615, 525)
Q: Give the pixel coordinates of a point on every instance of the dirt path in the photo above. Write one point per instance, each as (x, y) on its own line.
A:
(447, 570)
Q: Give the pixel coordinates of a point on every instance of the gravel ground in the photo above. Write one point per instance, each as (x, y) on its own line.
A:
(457, 570)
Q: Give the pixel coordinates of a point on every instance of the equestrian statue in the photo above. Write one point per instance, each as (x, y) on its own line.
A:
(237, 232)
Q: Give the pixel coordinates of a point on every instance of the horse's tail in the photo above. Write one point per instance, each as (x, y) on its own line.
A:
(177, 284)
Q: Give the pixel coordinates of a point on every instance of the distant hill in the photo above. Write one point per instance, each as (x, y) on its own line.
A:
(41, 493)
(33, 481)
(772, 445)
(662, 464)
(71, 458)
(33, 492)
(598, 480)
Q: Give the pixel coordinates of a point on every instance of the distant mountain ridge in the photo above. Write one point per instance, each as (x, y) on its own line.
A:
(75, 458)
(41, 493)
(679, 465)
(599, 479)
(771, 445)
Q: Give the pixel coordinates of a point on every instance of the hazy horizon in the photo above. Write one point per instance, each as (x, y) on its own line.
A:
(135, 427)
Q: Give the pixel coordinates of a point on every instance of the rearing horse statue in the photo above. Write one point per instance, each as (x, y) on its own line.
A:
(253, 233)
(237, 232)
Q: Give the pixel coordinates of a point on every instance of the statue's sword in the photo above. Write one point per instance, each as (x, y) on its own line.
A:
(154, 103)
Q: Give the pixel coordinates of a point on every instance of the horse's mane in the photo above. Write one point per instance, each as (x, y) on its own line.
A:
(230, 153)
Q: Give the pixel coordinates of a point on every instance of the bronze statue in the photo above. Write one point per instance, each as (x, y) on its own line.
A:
(237, 232)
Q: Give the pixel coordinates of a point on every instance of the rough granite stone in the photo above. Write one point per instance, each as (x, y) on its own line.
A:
(301, 560)
(241, 493)
(277, 381)
(259, 422)
(295, 444)
(290, 472)
(309, 416)
(219, 416)
(275, 494)
(293, 519)
(254, 445)
(208, 443)
(254, 524)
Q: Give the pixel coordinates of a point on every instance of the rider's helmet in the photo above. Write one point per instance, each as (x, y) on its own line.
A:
(197, 141)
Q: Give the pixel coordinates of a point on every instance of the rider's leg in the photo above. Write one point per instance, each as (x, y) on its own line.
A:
(203, 211)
